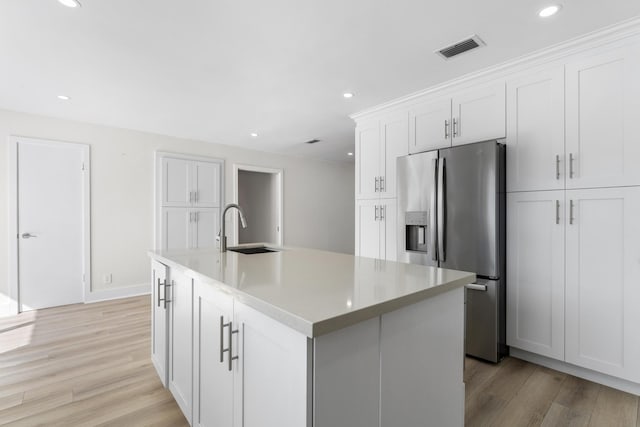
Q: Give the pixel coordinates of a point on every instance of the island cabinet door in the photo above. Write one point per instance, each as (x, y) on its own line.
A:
(421, 362)
(159, 319)
(272, 377)
(213, 378)
(180, 340)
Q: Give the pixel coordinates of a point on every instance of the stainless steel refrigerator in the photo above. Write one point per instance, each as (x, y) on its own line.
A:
(451, 214)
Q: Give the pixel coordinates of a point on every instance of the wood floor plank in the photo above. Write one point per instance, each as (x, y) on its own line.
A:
(531, 403)
(614, 408)
(578, 395)
(489, 401)
(561, 416)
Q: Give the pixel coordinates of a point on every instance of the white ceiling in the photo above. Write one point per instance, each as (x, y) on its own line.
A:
(217, 70)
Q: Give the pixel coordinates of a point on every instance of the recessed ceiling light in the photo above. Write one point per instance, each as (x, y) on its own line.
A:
(349, 153)
(549, 11)
(70, 3)
(347, 95)
(253, 134)
(64, 97)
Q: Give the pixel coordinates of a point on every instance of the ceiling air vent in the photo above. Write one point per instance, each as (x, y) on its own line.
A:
(462, 46)
(312, 141)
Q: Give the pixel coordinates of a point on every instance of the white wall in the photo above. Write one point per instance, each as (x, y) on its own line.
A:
(256, 192)
(318, 196)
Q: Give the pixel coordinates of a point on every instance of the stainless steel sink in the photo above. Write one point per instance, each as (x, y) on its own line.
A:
(251, 250)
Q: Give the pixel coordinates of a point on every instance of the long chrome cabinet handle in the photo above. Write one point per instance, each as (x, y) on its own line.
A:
(432, 215)
(231, 356)
(446, 129)
(165, 299)
(571, 212)
(571, 165)
(382, 212)
(377, 185)
(557, 166)
(456, 131)
(441, 209)
(375, 216)
(382, 186)
(222, 349)
(557, 211)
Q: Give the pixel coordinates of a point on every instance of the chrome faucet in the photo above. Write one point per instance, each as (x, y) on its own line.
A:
(223, 237)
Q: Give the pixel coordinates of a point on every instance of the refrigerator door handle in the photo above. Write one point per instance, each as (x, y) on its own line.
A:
(441, 208)
(432, 217)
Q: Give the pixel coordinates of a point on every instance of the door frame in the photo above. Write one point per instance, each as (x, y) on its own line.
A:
(279, 173)
(159, 156)
(12, 193)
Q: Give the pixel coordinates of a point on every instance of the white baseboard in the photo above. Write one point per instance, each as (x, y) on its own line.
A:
(577, 371)
(8, 307)
(117, 293)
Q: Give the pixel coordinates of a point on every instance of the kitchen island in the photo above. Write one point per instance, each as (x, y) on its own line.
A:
(302, 337)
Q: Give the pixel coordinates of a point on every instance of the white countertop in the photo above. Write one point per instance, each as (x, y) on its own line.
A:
(315, 292)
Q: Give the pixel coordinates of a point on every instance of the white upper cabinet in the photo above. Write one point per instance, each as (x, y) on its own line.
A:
(478, 114)
(603, 280)
(430, 125)
(190, 183)
(472, 115)
(378, 144)
(535, 131)
(176, 177)
(535, 272)
(394, 134)
(603, 118)
(367, 159)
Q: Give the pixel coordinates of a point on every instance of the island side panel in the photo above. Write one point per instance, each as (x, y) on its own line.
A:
(422, 357)
(347, 376)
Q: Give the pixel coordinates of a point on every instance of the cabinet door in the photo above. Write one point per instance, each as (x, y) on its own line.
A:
(535, 131)
(176, 228)
(176, 177)
(388, 230)
(159, 320)
(205, 226)
(180, 341)
(213, 381)
(479, 114)
(273, 386)
(395, 143)
(368, 228)
(535, 272)
(603, 107)
(367, 159)
(430, 126)
(206, 184)
(603, 280)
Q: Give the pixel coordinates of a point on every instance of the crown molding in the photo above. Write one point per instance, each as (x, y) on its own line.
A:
(606, 35)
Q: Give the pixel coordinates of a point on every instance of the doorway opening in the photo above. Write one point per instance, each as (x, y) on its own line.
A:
(259, 192)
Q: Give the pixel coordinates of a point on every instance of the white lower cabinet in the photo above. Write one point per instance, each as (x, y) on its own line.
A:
(159, 319)
(535, 272)
(603, 280)
(574, 277)
(376, 228)
(181, 340)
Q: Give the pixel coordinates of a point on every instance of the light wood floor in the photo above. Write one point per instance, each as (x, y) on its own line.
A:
(86, 365)
(82, 365)
(517, 393)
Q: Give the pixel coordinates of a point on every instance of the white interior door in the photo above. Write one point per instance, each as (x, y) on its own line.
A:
(52, 218)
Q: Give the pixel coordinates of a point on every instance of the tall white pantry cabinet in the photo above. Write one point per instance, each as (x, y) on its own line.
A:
(189, 193)
(571, 123)
(573, 245)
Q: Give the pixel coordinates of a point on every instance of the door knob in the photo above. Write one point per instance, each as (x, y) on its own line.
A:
(28, 235)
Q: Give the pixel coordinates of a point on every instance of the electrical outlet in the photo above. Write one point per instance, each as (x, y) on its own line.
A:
(107, 279)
